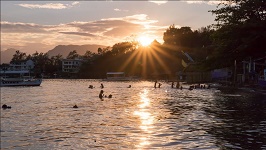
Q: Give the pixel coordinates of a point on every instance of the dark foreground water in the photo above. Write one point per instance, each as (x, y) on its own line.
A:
(140, 117)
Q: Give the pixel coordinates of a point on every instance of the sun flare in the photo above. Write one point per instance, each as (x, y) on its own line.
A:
(144, 40)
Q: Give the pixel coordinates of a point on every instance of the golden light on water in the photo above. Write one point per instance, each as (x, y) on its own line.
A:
(145, 116)
(144, 100)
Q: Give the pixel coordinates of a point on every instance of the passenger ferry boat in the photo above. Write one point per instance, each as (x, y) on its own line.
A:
(17, 78)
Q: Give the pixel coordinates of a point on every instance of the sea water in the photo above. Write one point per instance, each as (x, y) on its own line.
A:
(140, 117)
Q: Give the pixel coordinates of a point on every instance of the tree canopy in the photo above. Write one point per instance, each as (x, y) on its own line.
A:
(240, 33)
(241, 30)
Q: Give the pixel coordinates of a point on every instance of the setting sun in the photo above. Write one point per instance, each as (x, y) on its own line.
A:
(144, 40)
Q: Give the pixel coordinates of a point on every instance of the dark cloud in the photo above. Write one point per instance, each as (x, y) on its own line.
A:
(7, 27)
(79, 33)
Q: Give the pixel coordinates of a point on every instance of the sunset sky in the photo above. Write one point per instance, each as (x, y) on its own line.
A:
(41, 25)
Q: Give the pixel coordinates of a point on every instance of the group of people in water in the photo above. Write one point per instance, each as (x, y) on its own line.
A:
(101, 94)
(155, 84)
(179, 86)
(173, 85)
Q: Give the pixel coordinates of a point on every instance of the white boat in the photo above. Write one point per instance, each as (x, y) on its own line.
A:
(118, 76)
(20, 82)
(17, 78)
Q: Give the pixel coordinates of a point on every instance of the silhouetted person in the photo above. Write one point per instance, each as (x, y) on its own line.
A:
(91, 86)
(110, 96)
(155, 83)
(6, 107)
(209, 86)
(75, 106)
(181, 87)
(190, 88)
(101, 94)
(159, 85)
(177, 84)
(129, 86)
(172, 85)
(102, 86)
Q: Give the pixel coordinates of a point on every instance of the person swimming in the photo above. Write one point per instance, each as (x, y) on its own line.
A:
(91, 86)
(6, 107)
(101, 94)
(129, 86)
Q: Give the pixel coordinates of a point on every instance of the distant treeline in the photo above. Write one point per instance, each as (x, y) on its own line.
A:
(238, 35)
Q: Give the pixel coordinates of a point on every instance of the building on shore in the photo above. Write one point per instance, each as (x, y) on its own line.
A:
(71, 65)
(21, 65)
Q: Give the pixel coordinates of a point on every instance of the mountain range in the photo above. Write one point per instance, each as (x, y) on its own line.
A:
(64, 50)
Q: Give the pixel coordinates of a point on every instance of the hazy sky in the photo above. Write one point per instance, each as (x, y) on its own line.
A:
(41, 25)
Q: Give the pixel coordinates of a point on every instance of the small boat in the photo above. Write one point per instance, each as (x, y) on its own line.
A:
(118, 76)
(16, 78)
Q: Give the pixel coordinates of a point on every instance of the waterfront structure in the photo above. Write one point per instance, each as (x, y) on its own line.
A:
(251, 71)
(21, 65)
(118, 76)
(71, 65)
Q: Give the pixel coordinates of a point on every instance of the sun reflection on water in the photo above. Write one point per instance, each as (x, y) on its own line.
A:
(145, 116)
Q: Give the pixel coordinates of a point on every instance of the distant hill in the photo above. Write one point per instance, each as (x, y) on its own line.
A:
(7, 55)
(64, 50)
(81, 49)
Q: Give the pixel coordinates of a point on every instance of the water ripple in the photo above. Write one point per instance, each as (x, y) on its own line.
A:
(140, 117)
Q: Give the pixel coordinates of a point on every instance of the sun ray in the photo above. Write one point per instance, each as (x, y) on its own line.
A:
(128, 61)
(152, 60)
(145, 60)
(161, 62)
(157, 53)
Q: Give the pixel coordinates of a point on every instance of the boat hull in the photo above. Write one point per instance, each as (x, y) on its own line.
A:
(33, 82)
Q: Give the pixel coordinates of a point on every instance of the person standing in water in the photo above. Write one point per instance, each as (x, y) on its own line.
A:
(101, 94)
(159, 85)
(172, 85)
(102, 86)
(155, 83)
(177, 84)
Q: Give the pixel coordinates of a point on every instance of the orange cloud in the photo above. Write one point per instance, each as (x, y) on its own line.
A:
(49, 5)
(104, 32)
